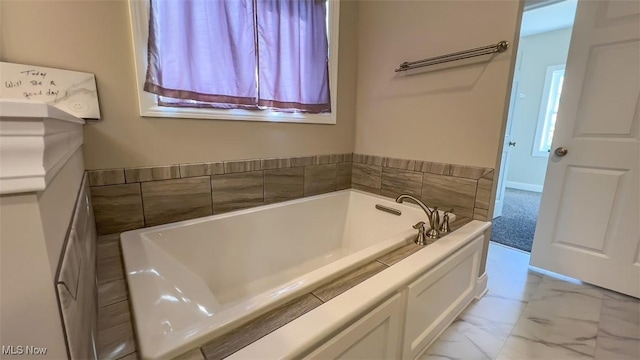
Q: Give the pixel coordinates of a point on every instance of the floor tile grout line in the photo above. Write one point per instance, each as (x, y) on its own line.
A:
(520, 317)
(316, 296)
(383, 263)
(602, 304)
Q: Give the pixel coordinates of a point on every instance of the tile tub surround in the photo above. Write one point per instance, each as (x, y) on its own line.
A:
(115, 324)
(116, 336)
(128, 199)
(466, 189)
(173, 200)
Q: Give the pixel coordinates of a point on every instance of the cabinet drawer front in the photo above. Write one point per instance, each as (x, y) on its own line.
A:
(374, 336)
(436, 298)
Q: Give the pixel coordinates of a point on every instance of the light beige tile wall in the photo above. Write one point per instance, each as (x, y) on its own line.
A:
(449, 113)
(94, 36)
(465, 189)
(124, 203)
(132, 198)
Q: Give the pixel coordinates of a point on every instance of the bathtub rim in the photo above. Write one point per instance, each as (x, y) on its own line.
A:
(152, 348)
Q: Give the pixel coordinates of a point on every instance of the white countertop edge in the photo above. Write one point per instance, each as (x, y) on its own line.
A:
(302, 333)
(19, 108)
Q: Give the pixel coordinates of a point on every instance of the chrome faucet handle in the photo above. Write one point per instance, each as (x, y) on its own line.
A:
(421, 239)
(444, 227)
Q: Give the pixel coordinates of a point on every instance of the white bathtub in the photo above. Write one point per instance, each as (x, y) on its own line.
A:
(193, 280)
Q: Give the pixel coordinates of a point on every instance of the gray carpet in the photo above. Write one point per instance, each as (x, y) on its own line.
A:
(517, 224)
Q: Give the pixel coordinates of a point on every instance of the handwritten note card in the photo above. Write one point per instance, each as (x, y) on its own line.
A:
(71, 91)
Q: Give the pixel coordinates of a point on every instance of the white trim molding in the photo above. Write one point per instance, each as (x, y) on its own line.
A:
(524, 186)
(481, 286)
(36, 140)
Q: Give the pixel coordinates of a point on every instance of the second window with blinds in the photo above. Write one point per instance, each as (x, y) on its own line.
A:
(257, 60)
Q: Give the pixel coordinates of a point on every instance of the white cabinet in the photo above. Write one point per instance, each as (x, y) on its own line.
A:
(422, 305)
(376, 335)
(438, 297)
(394, 330)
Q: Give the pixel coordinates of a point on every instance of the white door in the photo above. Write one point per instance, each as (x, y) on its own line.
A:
(506, 148)
(588, 226)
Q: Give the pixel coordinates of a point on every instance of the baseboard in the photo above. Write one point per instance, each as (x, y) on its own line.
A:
(524, 186)
(481, 286)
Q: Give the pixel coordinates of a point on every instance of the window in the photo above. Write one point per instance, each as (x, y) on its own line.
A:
(242, 107)
(548, 110)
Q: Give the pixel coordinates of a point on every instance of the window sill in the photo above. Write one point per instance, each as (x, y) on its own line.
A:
(242, 115)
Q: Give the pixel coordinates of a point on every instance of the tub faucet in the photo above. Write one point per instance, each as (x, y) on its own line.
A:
(432, 215)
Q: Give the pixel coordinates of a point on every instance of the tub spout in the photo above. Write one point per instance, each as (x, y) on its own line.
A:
(432, 215)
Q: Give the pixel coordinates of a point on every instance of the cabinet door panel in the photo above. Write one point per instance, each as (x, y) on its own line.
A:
(436, 298)
(374, 336)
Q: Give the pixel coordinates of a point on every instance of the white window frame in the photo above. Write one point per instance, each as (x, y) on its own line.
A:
(546, 109)
(139, 16)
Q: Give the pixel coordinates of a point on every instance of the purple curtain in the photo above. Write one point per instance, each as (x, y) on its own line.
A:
(202, 51)
(293, 55)
(251, 54)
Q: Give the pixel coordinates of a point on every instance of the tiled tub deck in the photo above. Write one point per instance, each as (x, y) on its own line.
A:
(116, 334)
(127, 199)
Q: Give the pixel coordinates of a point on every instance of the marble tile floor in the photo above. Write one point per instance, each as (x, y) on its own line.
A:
(529, 314)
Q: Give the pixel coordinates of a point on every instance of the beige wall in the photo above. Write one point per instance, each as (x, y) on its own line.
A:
(94, 36)
(452, 115)
(537, 53)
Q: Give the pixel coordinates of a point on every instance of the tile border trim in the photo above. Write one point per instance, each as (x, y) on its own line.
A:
(115, 176)
(461, 171)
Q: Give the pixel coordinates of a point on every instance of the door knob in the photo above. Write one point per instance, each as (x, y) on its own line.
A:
(561, 151)
(512, 143)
